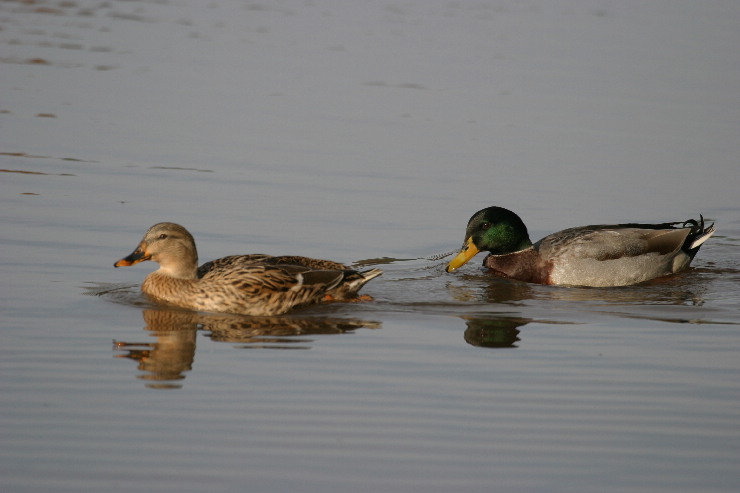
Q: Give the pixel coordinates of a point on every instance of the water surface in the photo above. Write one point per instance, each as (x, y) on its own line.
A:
(367, 134)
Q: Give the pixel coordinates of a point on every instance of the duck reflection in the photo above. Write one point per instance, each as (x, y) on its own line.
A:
(494, 331)
(489, 289)
(508, 291)
(661, 291)
(681, 289)
(164, 361)
(278, 332)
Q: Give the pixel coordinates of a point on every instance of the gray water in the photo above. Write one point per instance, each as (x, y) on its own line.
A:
(367, 133)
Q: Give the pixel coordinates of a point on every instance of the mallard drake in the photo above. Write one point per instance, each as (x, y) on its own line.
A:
(602, 255)
(243, 284)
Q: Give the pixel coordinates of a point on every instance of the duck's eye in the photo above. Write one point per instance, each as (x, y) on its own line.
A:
(485, 226)
(162, 236)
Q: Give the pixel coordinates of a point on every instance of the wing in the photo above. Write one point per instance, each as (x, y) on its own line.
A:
(230, 263)
(239, 261)
(612, 242)
(313, 263)
(259, 289)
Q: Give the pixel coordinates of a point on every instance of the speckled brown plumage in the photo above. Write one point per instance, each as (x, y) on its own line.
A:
(243, 284)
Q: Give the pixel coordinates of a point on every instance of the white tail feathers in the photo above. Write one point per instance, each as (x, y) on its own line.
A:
(370, 274)
(699, 241)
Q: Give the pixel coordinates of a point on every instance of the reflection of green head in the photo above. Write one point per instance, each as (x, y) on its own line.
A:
(498, 332)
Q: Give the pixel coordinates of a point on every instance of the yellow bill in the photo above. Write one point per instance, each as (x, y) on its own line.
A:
(468, 251)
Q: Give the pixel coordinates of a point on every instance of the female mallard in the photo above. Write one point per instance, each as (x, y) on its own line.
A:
(604, 255)
(243, 284)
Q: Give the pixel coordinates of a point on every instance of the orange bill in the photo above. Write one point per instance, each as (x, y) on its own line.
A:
(138, 255)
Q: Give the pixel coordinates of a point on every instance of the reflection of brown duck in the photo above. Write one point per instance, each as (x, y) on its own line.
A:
(244, 284)
(279, 332)
(174, 350)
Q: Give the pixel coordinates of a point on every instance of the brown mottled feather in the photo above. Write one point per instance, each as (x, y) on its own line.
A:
(243, 284)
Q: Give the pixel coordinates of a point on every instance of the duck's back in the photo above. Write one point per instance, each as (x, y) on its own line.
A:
(614, 255)
(236, 262)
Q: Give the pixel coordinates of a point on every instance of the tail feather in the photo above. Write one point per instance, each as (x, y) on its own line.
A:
(354, 282)
(704, 236)
(371, 274)
(700, 234)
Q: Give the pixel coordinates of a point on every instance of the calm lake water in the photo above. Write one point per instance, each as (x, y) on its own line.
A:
(368, 133)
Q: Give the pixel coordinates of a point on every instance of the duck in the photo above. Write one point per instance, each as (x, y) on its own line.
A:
(594, 256)
(257, 284)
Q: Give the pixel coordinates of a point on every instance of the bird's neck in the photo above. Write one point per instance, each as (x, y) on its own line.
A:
(179, 270)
